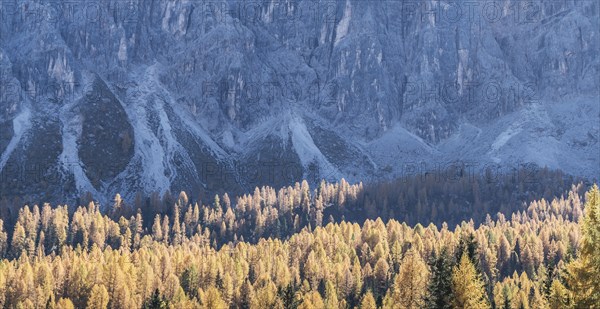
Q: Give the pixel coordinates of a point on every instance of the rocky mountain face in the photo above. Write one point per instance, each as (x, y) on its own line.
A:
(208, 96)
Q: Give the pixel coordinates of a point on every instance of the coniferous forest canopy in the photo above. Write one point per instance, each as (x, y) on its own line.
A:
(299, 154)
(505, 243)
